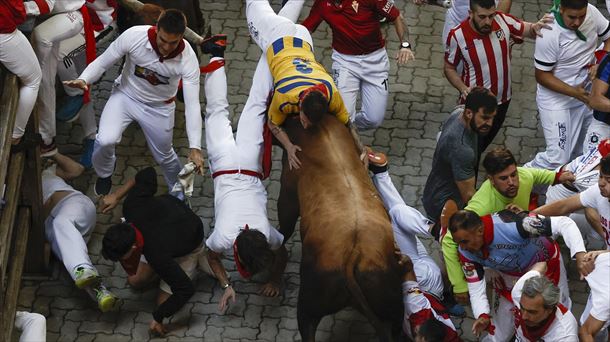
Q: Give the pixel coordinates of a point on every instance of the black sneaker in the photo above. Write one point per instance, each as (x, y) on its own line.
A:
(103, 186)
(214, 44)
(47, 151)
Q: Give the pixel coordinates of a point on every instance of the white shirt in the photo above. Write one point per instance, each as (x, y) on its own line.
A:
(564, 326)
(147, 80)
(52, 183)
(598, 281)
(244, 195)
(592, 198)
(559, 50)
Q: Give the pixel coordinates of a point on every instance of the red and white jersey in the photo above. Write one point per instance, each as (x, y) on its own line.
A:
(102, 13)
(568, 57)
(561, 327)
(486, 58)
(12, 13)
(592, 198)
(418, 309)
(39, 7)
(355, 23)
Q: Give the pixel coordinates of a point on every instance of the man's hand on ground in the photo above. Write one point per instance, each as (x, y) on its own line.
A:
(157, 328)
(108, 202)
(270, 289)
(229, 294)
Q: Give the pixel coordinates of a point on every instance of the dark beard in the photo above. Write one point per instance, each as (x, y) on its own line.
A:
(478, 28)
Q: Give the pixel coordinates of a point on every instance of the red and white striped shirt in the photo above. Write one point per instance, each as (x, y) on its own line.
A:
(486, 58)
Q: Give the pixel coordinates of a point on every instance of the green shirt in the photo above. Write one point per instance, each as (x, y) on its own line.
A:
(488, 200)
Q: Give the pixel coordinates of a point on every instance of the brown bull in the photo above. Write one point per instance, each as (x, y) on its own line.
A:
(348, 247)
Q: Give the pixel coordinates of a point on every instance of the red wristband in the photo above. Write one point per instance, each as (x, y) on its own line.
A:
(557, 176)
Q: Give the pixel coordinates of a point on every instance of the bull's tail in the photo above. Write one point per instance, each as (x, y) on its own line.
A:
(359, 298)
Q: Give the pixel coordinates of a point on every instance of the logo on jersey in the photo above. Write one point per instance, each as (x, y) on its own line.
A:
(500, 35)
(470, 272)
(534, 224)
(151, 76)
(388, 6)
(355, 6)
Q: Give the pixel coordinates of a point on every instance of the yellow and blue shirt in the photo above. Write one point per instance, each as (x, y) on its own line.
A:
(294, 69)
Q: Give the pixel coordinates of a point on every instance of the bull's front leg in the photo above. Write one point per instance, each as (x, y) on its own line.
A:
(288, 214)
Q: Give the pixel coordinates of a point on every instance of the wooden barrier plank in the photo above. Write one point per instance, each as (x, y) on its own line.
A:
(17, 256)
(7, 221)
(8, 107)
(37, 259)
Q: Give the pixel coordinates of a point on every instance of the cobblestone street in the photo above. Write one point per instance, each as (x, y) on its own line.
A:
(420, 99)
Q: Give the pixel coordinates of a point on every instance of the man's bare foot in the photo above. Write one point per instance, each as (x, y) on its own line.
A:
(270, 289)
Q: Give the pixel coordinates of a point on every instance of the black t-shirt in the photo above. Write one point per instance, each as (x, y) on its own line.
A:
(170, 229)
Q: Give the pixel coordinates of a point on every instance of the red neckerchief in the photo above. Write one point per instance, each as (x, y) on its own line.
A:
(534, 334)
(240, 267)
(604, 147)
(488, 234)
(152, 38)
(131, 264)
(319, 87)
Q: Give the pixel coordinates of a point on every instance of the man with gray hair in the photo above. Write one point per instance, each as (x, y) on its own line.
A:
(538, 314)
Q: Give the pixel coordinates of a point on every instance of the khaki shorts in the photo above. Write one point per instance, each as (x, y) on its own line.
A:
(190, 264)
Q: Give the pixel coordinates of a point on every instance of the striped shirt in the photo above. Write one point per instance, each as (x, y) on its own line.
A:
(486, 58)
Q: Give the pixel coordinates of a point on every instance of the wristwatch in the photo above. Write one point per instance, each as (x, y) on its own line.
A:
(225, 286)
(405, 45)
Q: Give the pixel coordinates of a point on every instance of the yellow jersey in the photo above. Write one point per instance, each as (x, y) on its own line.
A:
(294, 69)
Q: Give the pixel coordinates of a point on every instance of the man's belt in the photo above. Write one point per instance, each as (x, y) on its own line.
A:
(243, 172)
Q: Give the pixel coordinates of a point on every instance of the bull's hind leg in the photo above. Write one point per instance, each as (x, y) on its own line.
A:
(320, 294)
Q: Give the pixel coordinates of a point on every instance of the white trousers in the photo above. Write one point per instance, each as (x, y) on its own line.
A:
(366, 75)
(48, 36)
(68, 227)
(67, 70)
(596, 132)
(266, 26)
(17, 55)
(245, 151)
(33, 326)
(157, 123)
(564, 133)
(406, 223)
